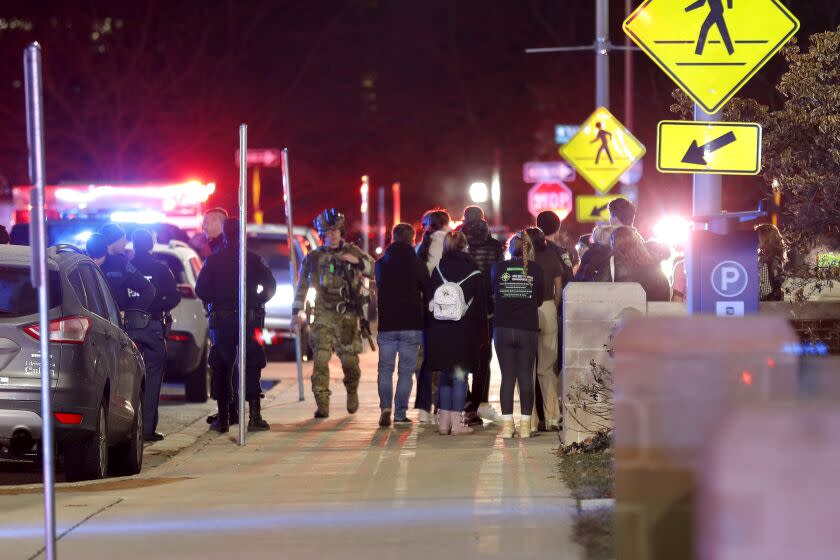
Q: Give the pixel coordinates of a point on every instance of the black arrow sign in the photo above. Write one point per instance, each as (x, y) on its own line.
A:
(695, 153)
(596, 211)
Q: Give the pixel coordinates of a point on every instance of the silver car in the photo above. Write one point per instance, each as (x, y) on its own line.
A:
(97, 372)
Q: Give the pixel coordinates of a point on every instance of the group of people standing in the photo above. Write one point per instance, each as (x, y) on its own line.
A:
(445, 303)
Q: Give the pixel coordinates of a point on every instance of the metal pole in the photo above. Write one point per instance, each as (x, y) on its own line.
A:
(293, 267)
(707, 192)
(496, 189)
(628, 73)
(365, 191)
(395, 192)
(602, 53)
(243, 248)
(380, 217)
(39, 278)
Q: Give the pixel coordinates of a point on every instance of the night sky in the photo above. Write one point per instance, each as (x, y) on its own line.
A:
(421, 92)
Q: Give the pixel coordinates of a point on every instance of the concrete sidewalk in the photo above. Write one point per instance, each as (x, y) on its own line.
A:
(340, 488)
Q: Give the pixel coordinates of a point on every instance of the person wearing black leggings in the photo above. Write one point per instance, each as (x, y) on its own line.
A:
(517, 294)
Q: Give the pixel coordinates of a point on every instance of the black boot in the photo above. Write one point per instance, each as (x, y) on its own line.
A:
(255, 420)
(233, 415)
(222, 422)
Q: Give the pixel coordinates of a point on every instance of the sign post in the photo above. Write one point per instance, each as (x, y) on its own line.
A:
(364, 190)
(243, 259)
(293, 265)
(40, 277)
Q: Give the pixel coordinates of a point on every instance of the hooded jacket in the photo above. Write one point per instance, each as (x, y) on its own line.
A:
(484, 249)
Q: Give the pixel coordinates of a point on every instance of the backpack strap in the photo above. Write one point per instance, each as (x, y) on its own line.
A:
(437, 267)
(474, 273)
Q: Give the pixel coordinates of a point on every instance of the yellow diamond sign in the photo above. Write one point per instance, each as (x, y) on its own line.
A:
(711, 48)
(602, 150)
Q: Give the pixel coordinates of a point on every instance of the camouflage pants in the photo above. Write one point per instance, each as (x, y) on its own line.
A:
(339, 333)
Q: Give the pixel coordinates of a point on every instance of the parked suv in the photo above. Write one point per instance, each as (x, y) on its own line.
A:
(97, 372)
(270, 242)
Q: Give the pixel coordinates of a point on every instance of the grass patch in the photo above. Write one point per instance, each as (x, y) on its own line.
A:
(590, 476)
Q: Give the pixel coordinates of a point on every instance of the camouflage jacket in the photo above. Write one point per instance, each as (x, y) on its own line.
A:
(323, 270)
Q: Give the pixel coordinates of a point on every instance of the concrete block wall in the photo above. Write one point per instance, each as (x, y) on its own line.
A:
(591, 313)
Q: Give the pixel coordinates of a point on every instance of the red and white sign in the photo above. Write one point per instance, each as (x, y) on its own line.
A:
(555, 197)
(269, 157)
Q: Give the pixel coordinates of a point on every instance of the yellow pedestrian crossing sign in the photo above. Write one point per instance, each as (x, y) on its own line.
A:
(722, 148)
(711, 48)
(602, 150)
(592, 208)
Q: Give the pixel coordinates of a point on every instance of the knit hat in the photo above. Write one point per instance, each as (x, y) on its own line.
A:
(96, 246)
(111, 233)
(143, 240)
(473, 214)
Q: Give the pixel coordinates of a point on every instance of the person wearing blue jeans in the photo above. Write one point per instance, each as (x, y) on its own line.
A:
(402, 285)
(394, 344)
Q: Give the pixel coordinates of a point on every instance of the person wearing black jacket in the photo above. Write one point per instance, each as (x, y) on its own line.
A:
(486, 251)
(154, 353)
(218, 287)
(402, 285)
(107, 249)
(597, 258)
(518, 288)
(454, 347)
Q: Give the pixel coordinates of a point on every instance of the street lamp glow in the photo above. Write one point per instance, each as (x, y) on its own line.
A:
(479, 192)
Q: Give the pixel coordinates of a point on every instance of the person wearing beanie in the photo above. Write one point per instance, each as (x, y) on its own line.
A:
(114, 237)
(96, 249)
(154, 345)
(218, 287)
(486, 251)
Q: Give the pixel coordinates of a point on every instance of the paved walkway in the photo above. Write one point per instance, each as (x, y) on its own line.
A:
(340, 488)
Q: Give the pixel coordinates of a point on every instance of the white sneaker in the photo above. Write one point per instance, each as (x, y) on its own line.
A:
(425, 417)
(487, 412)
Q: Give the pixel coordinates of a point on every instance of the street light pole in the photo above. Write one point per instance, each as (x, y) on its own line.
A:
(602, 54)
(707, 192)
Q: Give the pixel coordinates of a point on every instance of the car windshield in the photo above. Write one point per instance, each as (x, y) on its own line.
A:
(17, 296)
(273, 250)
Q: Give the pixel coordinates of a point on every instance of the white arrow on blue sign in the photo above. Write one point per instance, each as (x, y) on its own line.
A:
(564, 132)
(548, 172)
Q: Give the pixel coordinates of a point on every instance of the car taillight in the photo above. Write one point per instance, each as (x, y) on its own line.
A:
(178, 337)
(67, 330)
(186, 291)
(68, 418)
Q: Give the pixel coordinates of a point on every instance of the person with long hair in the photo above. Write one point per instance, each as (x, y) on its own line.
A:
(430, 250)
(772, 257)
(630, 261)
(517, 295)
(453, 346)
(596, 258)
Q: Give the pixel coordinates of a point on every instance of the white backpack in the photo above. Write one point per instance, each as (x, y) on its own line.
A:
(448, 303)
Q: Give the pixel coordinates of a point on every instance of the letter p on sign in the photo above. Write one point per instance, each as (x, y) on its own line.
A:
(729, 279)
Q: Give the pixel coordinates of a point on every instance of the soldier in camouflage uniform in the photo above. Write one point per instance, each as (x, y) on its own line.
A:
(335, 270)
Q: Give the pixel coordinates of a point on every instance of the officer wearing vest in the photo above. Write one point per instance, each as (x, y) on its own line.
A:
(335, 270)
(218, 288)
(166, 298)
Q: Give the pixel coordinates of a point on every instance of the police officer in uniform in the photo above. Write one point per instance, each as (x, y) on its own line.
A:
(335, 270)
(166, 298)
(218, 287)
(131, 291)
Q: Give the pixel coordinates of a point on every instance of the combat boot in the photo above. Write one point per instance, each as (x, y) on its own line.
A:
(323, 407)
(352, 402)
(255, 419)
(222, 422)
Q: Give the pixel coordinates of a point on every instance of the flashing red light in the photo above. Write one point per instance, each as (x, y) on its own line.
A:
(746, 377)
(178, 337)
(67, 330)
(68, 418)
(771, 363)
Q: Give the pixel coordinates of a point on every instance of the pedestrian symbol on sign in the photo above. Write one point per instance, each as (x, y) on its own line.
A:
(604, 137)
(715, 17)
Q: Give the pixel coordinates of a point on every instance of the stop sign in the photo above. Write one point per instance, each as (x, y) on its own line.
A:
(555, 197)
